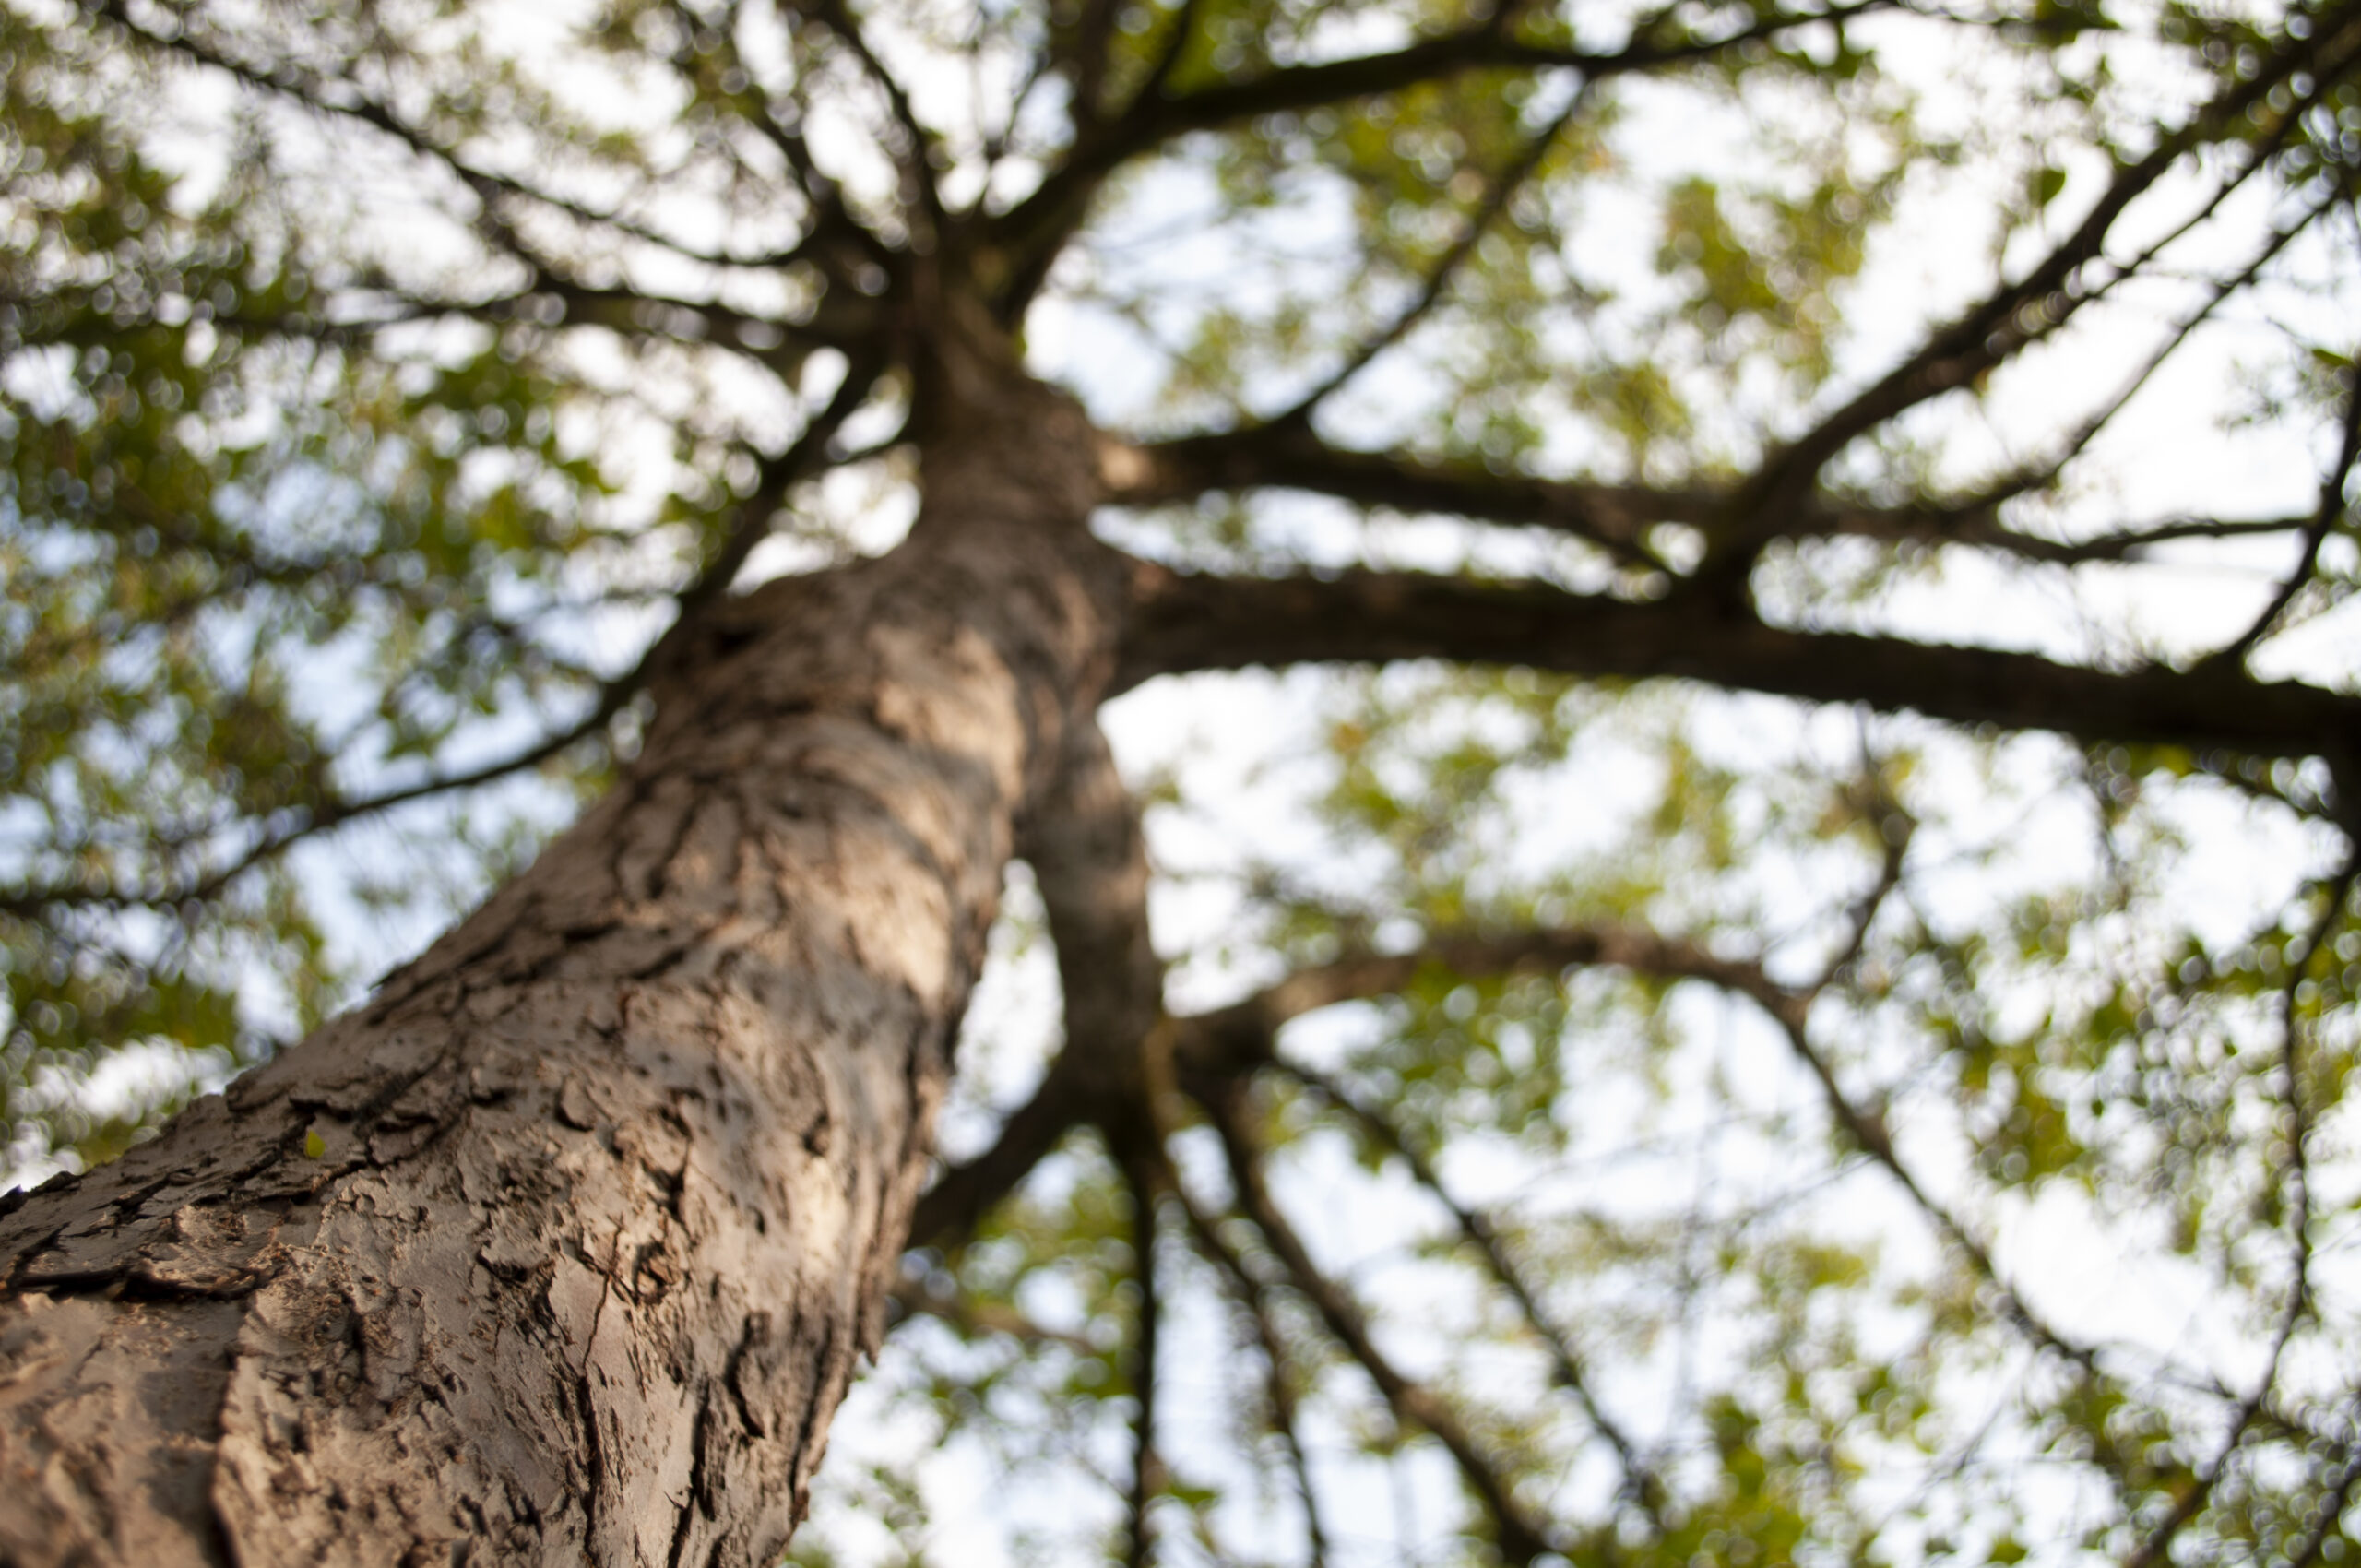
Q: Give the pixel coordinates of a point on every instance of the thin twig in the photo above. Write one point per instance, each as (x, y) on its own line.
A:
(1275, 1361)
(1523, 1535)
(1501, 191)
(1641, 1484)
(2193, 1498)
(369, 111)
(2332, 507)
(1147, 1465)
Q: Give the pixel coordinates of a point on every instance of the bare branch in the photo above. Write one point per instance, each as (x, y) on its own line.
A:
(914, 1299)
(1275, 1361)
(2155, 1548)
(949, 1211)
(1184, 27)
(1233, 1040)
(1186, 622)
(1523, 1535)
(2037, 305)
(1977, 524)
(2327, 1514)
(294, 826)
(806, 456)
(2332, 507)
(351, 104)
(626, 312)
(1894, 827)
(1094, 32)
(1641, 1484)
(917, 159)
(1501, 190)
(1143, 1173)
(2040, 475)
(1616, 517)
(1217, 1048)
(1039, 224)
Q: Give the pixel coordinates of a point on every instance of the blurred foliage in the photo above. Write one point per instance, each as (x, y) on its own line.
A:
(263, 564)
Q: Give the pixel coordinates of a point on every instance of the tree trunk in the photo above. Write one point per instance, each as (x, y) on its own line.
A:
(562, 1247)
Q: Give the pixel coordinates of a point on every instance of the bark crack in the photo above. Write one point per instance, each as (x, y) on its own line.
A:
(700, 1484)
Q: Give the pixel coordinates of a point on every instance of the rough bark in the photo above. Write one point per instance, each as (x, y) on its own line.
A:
(562, 1247)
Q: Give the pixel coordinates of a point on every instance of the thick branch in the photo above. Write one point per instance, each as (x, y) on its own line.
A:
(1090, 861)
(1089, 858)
(1203, 622)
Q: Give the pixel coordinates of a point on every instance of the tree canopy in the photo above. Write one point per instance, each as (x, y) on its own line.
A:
(1779, 986)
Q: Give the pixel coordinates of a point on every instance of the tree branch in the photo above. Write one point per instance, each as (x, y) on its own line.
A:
(1284, 1418)
(1089, 858)
(1231, 1041)
(914, 1299)
(1187, 623)
(779, 476)
(917, 162)
(1142, 1172)
(1523, 1535)
(2156, 1548)
(949, 1211)
(2328, 1514)
(1616, 517)
(1217, 1048)
(1641, 1484)
(2040, 475)
(332, 812)
(359, 108)
(1184, 27)
(2332, 507)
(795, 464)
(1501, 189)
(2041, 302)
(835, 233)
(1039, 224)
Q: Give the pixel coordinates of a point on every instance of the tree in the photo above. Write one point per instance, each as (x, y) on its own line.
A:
(371, 379)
